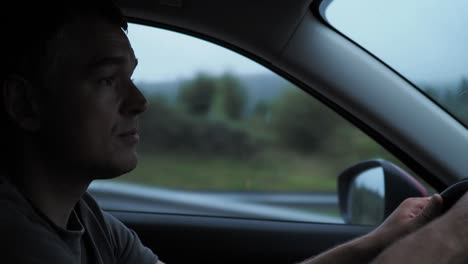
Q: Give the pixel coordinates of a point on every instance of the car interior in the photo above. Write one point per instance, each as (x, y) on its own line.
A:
(295, 40)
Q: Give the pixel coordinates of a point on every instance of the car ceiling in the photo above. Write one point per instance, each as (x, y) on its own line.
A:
(288, 38)
(269, 28)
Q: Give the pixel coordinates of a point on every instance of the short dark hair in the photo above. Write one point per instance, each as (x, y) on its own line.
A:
(28, 28)
(31, 27)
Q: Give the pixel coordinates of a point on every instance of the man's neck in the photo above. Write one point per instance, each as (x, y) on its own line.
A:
(54, 192)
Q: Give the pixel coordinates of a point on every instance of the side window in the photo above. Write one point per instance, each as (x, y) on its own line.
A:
(225, 136)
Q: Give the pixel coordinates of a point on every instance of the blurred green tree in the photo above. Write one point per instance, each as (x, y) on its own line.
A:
(301, 122)
(196, 95)
(234, 96)
(262, 111)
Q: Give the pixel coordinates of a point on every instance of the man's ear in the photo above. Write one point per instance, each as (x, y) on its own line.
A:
(21, 102)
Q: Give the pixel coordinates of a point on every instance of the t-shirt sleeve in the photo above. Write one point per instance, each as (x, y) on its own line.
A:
(128, 248)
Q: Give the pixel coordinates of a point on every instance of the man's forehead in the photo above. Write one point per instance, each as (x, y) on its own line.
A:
(99, 42)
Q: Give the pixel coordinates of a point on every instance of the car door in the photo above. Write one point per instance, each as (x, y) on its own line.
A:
(236, 163)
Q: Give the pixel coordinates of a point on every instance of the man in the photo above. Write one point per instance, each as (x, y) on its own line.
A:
(70, 113)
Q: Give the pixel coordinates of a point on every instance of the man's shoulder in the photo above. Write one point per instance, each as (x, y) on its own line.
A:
(22, 230)
(14, 208)
(87, 202)
(89, 207)
(13, 217)
(122, 242)
(92, 215)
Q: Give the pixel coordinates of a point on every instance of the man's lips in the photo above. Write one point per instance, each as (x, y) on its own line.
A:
(130, 132)
(130, 136)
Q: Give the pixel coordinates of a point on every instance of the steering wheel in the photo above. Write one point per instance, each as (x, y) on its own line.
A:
(454, 192)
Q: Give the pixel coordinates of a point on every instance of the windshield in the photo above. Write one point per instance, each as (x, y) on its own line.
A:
(423, 40)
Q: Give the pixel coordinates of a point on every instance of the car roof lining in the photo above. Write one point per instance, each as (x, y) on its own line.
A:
(269, 28)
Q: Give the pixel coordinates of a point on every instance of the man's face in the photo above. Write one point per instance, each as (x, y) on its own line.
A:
(90, 116)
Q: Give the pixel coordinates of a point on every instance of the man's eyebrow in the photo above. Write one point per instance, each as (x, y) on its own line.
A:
(110, 61)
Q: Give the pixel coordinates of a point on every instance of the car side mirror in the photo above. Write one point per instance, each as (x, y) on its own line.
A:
(370, 191)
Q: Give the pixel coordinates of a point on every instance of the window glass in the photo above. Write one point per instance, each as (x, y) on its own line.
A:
(424, 40)
(225, 136)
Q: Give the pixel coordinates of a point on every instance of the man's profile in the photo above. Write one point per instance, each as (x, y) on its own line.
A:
(72, 116)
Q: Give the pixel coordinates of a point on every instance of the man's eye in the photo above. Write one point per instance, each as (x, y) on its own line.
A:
(109, 81)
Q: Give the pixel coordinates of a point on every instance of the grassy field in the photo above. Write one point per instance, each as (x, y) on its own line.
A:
(268, 171)
(272, 169)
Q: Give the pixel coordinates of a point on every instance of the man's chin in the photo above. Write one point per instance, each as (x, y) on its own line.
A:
(116, 169)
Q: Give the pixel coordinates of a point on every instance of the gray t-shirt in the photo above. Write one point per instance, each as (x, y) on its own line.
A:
(92, 236)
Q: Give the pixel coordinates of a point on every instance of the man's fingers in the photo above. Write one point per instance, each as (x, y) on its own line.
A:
(432, 209)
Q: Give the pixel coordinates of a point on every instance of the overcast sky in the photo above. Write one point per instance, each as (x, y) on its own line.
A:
(167, 56)
(425, 40)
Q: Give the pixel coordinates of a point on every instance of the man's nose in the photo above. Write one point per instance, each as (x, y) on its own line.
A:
(134, 102)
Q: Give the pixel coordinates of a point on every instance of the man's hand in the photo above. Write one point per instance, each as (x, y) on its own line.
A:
(442, 241)
(410, 215)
